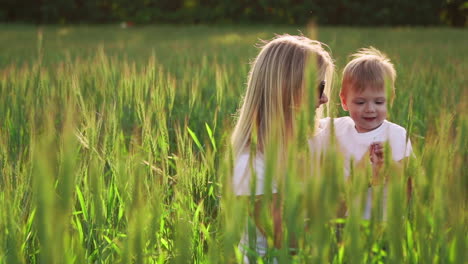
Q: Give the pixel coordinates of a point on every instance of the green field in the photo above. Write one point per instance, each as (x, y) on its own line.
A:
(114, 147)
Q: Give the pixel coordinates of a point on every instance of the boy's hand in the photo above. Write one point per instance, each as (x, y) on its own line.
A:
(376, 151)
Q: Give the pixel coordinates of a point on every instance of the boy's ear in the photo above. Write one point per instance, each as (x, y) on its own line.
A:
(343, 102)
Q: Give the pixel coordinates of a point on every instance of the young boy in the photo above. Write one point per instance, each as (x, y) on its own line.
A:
(367, 79)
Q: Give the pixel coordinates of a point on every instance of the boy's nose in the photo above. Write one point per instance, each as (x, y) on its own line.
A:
(369, 108)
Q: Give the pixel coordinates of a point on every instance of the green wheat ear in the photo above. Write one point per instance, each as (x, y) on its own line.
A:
(390, 94)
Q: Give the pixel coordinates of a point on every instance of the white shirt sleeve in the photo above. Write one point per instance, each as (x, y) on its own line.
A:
(242, 178)
(324, 122)
(401, 146)
(319, 142)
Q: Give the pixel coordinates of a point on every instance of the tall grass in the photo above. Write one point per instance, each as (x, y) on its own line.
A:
(114, 148)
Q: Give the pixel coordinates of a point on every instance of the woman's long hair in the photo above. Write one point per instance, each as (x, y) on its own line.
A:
(276, 89)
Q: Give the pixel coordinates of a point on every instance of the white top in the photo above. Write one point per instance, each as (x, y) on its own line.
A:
(355, 145)
(244, 167)
(243, 170)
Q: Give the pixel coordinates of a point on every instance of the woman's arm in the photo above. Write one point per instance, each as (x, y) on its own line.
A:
(273, 211)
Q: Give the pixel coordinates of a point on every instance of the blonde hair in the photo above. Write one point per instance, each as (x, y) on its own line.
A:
(368, 68)
(276, 84)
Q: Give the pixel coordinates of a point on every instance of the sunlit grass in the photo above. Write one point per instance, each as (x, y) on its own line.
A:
(114, 148)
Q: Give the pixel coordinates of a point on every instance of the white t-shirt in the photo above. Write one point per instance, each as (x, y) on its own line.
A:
(242, 178)
(355, 145)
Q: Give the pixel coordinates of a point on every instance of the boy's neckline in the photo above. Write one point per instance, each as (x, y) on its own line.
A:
(373, 131)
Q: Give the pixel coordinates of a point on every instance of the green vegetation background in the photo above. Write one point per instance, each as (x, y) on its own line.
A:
(292, 12)
(114, 144)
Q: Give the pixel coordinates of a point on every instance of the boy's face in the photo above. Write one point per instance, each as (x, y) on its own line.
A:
(368, 108)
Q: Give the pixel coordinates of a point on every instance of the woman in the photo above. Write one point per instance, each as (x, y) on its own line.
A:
(276, 91)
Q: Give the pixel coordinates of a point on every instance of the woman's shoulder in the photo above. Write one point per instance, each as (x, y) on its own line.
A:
(343, 121)
(338, 122)
(321, 139)
(324, 122)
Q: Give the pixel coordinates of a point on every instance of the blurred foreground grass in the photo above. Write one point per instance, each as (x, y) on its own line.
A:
(114, 147)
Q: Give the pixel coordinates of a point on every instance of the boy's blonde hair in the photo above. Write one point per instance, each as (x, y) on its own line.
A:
(276, 84)
(369, 68)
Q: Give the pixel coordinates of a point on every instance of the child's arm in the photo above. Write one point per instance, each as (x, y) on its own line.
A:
(376, 151)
